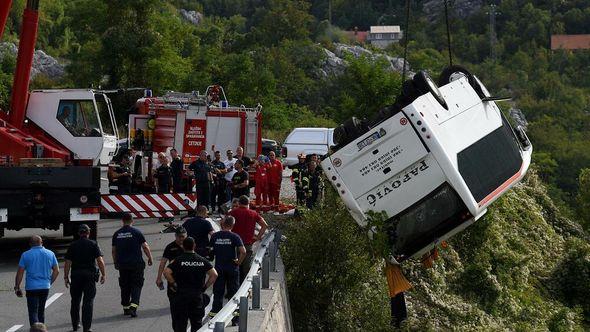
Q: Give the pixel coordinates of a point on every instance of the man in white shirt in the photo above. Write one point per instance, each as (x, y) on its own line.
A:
(230, 171)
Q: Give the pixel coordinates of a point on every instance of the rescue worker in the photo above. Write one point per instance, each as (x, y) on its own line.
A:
(240, 181)
(245, 226)
(275, 176)
(177, 167)
(229, 173)
(225, 244)
(201, 170)
(82, 257)
(200, 229)
(218, 196)
(40, 266)
(163, 175)
(186, 279)
(119, 175)
(261, 180)
(128, 242)
(312, 184)
(296, 177)
(171, 252)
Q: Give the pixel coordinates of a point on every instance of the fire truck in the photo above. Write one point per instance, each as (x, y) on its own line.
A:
(56, 145)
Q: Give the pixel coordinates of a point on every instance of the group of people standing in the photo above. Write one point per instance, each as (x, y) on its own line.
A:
(185, 264)
(308, 180)
(217, 181)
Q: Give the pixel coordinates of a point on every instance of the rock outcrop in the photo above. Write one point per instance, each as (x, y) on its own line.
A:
(335, 62)
(42, 62)
(192, 16)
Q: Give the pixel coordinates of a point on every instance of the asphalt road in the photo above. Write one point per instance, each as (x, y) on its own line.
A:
(154, 310)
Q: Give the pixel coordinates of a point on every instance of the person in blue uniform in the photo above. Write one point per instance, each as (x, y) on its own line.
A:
(229, 252)
(200, 229)
(128, 242)
(186, 278)
(201, 170)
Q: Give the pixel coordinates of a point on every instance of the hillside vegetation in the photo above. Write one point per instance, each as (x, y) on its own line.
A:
(523, 267)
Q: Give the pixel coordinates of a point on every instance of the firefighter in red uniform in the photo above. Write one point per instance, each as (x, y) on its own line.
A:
(261, 178)
(275, 176)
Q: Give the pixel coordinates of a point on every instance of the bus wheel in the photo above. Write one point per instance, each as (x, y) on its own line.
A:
(426, 84)
(455, 72)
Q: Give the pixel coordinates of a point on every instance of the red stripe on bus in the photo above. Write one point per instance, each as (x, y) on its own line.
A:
(501, 188)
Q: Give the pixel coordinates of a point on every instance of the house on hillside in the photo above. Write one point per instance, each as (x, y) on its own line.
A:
(570, 42)
(383, 36)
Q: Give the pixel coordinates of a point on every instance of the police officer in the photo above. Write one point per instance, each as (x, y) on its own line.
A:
(225, 244)
(81, 258)
(186, 279)
(171, 252)
(297, 177)
(128, 243)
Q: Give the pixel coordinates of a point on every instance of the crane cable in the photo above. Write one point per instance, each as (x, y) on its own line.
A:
(448, 32)
(406, 35)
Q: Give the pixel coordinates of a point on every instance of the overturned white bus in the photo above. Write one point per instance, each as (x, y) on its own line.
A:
(433, 162)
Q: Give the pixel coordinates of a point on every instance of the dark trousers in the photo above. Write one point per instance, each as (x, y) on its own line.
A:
(131, 282)
(312, 199)
(300, 195)
(399, 312)
(83, 284)
(226, 279)
(247, 263)
(219, 195)
(36, 304)
(187, 305)
(203, 194)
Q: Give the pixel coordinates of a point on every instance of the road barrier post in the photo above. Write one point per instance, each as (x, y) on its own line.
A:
(256, 292)
(273, 257)
(265, 272)
(219, 327)
(243, 327)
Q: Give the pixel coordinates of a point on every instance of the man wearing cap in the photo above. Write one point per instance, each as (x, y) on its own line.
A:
(128, 242)
(82, 257)
(171, 252)
(186, 279)
(296, 177)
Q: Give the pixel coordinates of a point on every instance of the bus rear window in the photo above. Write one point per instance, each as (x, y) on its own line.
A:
(489, 162)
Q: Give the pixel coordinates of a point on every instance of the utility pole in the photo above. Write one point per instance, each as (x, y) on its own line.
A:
(330, 11)
(493, 13)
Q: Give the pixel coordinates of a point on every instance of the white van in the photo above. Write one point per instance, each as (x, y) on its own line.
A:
(307, 141)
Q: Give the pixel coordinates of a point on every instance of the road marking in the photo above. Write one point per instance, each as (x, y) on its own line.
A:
(52, 299)
(14, 328)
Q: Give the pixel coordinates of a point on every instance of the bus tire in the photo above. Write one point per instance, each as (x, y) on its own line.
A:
(425, 84)
(454, 72)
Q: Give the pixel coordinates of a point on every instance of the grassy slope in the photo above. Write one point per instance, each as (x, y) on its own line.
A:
(521, 267)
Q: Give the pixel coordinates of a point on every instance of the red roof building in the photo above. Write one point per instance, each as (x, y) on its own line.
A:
(570, 42)
(357, 36)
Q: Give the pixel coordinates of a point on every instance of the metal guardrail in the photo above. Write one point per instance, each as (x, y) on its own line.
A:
(253, 281)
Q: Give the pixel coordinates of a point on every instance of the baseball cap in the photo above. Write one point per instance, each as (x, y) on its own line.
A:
(180, 230)
(83, 229)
